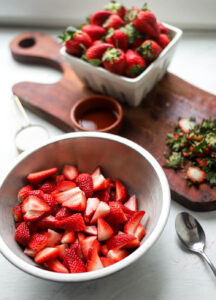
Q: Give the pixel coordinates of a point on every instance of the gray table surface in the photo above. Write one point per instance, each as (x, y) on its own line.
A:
(166, 271)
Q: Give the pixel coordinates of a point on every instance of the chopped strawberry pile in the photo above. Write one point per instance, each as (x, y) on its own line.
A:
(122, 40)
(76, 222)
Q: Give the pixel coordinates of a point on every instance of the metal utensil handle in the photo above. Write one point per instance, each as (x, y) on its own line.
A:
(203, 254)
(21, 109)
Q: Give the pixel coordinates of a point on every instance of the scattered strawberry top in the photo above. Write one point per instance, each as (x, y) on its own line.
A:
(193, 147)
(76, 222)
(134, 33)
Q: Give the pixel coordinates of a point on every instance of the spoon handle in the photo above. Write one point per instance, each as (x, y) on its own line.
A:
(203, 254)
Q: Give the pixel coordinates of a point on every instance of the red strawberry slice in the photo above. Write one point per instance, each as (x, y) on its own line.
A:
(195, 174)
(23, 192)
(76, 246)
(100, 17)
(85, 183)
(121, 191)
(59, 178)
(106, 261)
(117, 254)
(65, 186)
(91, 206)
(17, 213)
(91, 230)
(55, 266)
(104, 230)
(38, 241)
(45, 223)
(99, 182)
(81, 236)
(140, 232)
(133, 244)
(93, 263)
(70, 172)
(68, 237)
(29, 252)
(116, 215)
(74, 199)
(22, 234)
(131, 203)
(86, 244)
(54, 238)
(72, 262)
(103, 195)
(33, 208)
(50, 200)
(37, 177)
(73, 223)
(104, 249)
(47, 187)
(119, 241)
(131, 225)
(186, 125)
(126, 210)
(36, 193)
(202, 162)
(46, 254)
(63, 213)
(62, 249)
(102, 211)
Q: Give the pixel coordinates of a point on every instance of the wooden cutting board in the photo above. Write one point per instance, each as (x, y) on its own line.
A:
(147, 124)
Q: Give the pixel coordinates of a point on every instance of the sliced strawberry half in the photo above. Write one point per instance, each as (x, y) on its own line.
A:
(119, 241)
(46, 223)
(93, 263)
(195, 174)
(117, 254)
(17, 213)
(38, 241)
(72, 262)
(37, 177)
(121, 191)
(85, 183)
(99, 182)
(50, 200)
(131, 203)
(54, 238)
(91, 206)
(104, 249)
(133, 244)
(74, 199)
(102, 211)
(36, 193)
(65, 186)
(29, 252)
(56, 266)
(63, 213)
(47, 187)
(116, 215)
(105, 231)
(46, 254)
(68, 237)
(70, 172)
(22, 234)
(62, 249)
(186, 125)
(131, 225)
(91, 230)
(86, 244)
(23, 192)
(33, 208)
(106, 261)
(73, 223)
(140, 232)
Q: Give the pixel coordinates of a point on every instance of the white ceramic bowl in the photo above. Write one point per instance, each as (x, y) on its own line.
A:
(130, 90)
(119, 158)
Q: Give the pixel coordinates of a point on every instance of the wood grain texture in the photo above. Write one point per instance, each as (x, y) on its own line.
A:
(147, 124)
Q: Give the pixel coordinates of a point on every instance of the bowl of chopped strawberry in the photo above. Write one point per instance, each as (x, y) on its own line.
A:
(82, 206)
(122, 52)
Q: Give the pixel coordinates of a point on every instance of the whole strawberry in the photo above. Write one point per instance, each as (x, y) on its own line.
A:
(135, 64)
(163, 40)
(94, 53)
(100, 17)
(117, 8)
(114, 21)
(114, 60)
(162, 28)
(76, 41)
(146, 22)
(131, 14)
(149, 50)
(118, 38)
(94, 31)
(134, 37)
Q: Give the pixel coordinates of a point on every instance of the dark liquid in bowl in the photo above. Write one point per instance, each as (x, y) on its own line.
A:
(97, 118)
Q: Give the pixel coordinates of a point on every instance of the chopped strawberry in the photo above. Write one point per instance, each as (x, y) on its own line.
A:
(74, 199)
(91, 230)
(119, 241)
(38, 241)
(73, 223)
(70, 172)
(103, 195)
(126, 210)
(117, 254)
(17, 213)
(102, 211)
(104, 249)
(53, 204)
(55, 266)
(63, 213)
(131, 225)
(104, 230)
(93, 263)
(36, 193)
(37, 177)
(59, 178)
(23, 192)
(99, 182)
(131, 203)
(29, 252)
(91, 206)
(121, 191)
(34, 208)
(47, 187)
(65, 186)
(140, 232)
(195, 174)
(68, 237)
(186, 125)
(133, 244)
(86, 244)
(114, 21)
(62, 249)
(72, 262)
(116, 215)
(46, 254)
(202, 162)
(22, 234)
(76, 246)
(85, 183)
(48, 222)
(100, 17)
(106, 261)
(54, 238)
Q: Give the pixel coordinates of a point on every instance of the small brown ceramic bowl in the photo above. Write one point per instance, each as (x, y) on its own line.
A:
(97, 113)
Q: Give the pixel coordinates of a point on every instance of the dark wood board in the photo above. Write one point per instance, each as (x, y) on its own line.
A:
(147, 124)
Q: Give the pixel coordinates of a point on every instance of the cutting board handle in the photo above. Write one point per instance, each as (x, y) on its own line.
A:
(38, 48)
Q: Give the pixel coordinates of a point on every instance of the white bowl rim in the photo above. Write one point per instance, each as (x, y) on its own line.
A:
(79, 277)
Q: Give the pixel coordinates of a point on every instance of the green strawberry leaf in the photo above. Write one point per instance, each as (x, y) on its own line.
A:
(95, 62)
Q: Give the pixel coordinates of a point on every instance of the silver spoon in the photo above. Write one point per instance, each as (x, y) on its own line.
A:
(192, 236)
